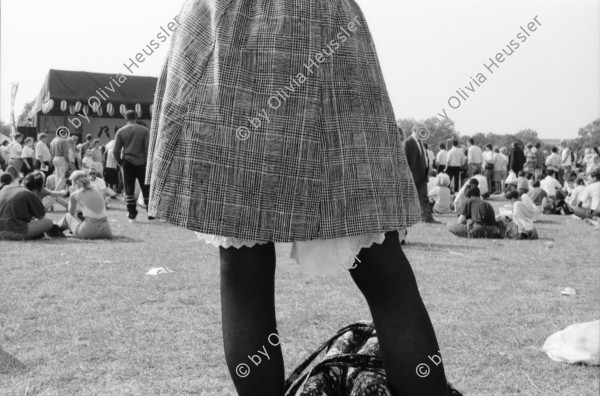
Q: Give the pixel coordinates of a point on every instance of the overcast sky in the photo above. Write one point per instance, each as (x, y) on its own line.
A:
(428, 49)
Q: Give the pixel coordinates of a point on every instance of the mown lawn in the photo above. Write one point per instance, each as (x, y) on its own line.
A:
(82, 318)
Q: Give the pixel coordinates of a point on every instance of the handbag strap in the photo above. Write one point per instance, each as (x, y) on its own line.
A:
(363, 329)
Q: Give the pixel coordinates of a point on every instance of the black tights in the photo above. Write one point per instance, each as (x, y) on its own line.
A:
(383, 275)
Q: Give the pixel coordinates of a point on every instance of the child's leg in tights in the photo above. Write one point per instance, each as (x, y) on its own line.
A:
(405, 332)
(248, 314)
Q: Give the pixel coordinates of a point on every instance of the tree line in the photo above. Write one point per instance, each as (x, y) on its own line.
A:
(443, 130)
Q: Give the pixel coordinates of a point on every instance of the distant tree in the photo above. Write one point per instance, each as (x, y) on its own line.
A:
(5, 128)
(527, 136)
(438, 130)
(589, 135)
(23, 118)
(406, 124)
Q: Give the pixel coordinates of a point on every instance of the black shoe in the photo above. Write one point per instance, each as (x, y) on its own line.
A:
(150, 218)
(55, 232)
(132, 217)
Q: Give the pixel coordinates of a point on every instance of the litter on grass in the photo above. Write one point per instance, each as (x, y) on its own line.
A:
(549, 245)
(159, 271)
(569, 291)
(578, 343)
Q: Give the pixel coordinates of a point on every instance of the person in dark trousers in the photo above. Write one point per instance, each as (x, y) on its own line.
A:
(454, 162)
(416, 155)
(516, 161)
(131, 152)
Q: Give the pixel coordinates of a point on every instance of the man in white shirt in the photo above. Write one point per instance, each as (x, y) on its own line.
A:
(589, 204)
(454, 161)
(553, 161)
(42, 154)
(474, 157)
(441, 158)
(15, 150)
(550, 184)
(483, 184)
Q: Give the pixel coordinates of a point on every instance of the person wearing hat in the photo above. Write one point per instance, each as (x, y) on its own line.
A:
(131, 152)
(90, 202)
(22, 215)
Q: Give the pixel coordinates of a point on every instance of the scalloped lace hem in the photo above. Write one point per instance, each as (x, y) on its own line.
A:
(321, 257)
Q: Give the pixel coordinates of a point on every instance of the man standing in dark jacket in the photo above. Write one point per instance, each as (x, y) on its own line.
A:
(416, 155)
(517, 159)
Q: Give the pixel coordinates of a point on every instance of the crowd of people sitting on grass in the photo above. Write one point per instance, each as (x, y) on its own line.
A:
(533, 183)
(23, 213)
(82, 179)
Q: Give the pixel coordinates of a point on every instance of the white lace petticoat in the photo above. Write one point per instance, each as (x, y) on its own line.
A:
(320, 257)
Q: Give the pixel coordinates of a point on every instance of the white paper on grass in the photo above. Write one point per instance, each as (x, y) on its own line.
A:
(159, 271)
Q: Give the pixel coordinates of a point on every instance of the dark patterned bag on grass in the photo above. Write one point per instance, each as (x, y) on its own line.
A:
(351, 367)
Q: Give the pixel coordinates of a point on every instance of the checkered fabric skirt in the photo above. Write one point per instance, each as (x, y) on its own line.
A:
(272, 122)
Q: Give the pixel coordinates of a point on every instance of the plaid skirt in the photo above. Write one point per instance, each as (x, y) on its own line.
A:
(272, 122)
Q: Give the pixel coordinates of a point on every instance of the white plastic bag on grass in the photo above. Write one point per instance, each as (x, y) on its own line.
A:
(511, 177)
(578, 343)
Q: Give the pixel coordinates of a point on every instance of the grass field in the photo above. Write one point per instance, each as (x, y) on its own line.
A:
(82, 318)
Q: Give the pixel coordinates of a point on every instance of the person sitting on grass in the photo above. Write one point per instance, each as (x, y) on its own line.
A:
(439, 196)
(589, 204)
(49, 195)
(484, 188)
(22, 215)
(5, 180)
(552, 187)
(15, 175)
(523, 210)
(432, 180)
(575, 195)
(538, 196)
(461, 197)
(477, 218)
(91, 203)
(100, 185)
(522, 183)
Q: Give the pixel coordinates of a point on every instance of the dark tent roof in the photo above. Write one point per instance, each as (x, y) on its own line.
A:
(74, 86)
